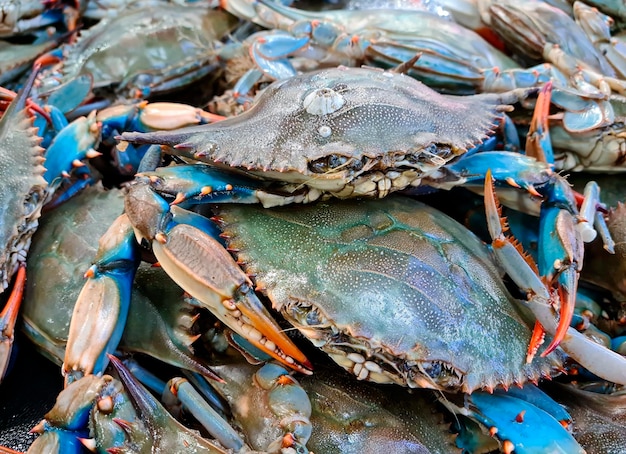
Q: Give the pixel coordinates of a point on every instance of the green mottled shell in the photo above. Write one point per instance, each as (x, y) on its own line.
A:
(395, 277)
(355, 417)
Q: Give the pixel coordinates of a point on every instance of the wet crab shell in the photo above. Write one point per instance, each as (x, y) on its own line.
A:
(327, 128)
(22, 187)
(393, 290)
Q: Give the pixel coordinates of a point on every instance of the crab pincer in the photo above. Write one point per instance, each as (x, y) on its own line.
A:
(542, 297)
(106, 292)
(196, 260)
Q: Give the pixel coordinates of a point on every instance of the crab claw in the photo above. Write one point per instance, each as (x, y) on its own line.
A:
(107, 292)
(538, 144)
(560, 258)
(183, 245)
(596, 358)
(567, 303)
(525, 410)
(8, 316)
(73, 144)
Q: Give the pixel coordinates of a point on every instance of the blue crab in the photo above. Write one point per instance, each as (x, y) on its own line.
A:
(159, 322)
(357, 132)
(145, 50)
(402, 227)
(110, 415)
(452, 59)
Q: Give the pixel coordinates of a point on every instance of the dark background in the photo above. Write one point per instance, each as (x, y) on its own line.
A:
(27, 393)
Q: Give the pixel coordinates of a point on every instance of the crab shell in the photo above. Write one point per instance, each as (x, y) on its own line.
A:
(344, 131)
(22, 186)
(392, 290)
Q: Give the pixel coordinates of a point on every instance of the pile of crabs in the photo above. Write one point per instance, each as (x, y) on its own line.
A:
(274, 270)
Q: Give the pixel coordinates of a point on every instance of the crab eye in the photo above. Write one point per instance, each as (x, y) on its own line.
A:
(327, 163)
(143, 80)
(434, 370)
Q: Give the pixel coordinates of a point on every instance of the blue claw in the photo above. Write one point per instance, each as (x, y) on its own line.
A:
(107, 291)
(73, 144)
(196, 260)
(165, 433)
(514, 418)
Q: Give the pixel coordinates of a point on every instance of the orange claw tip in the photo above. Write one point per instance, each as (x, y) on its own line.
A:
(531, 189)
(211, 117)
(180, 197)
(91, 272)
(115, 450)
(568, 302)
(536, 339)
(288, 441)
(39, 428)
(264, 332)
(88, 443)
(285, 380)
(124, 424)
(508, 447)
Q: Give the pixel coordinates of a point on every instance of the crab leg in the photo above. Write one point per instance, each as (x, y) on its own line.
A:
(190, 254)
(167, 434)
(595, 357)
(8, 316)
(179, 392)
(193, 402)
